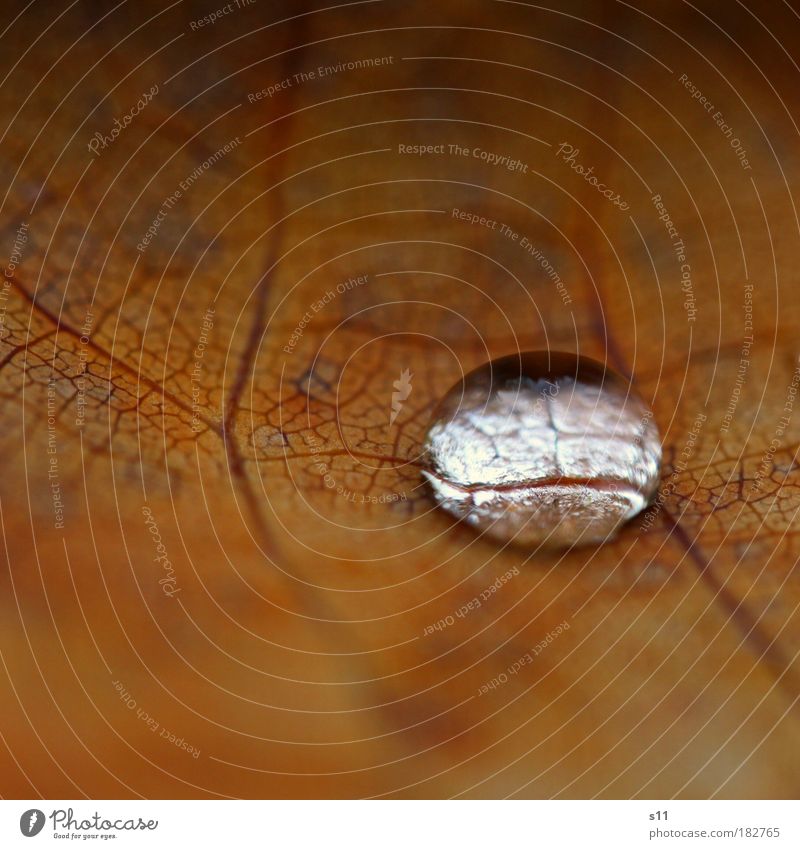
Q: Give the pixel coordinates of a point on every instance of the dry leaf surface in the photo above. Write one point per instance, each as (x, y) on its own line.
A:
(222, 574)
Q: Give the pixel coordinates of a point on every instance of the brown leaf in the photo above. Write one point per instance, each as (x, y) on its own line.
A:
(224, 575)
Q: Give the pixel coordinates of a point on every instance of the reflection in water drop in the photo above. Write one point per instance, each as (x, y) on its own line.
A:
(543, 448)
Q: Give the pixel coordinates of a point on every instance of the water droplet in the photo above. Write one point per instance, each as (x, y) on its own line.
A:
(543, 448)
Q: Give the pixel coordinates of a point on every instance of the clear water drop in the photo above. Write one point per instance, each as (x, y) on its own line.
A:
(543, 448)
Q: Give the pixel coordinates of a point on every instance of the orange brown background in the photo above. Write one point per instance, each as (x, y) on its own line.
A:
(288, 648)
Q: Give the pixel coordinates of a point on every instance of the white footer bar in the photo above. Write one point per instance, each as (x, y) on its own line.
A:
(402, 824)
